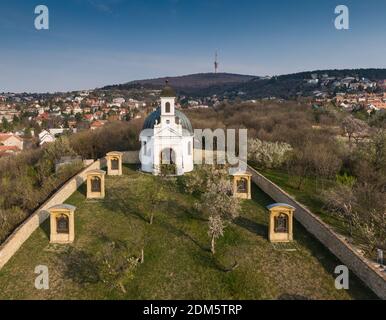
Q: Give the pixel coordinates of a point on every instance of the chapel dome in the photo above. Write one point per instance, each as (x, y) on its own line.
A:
(155, 116)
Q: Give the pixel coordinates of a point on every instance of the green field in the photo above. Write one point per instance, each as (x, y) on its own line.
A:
(177, 260)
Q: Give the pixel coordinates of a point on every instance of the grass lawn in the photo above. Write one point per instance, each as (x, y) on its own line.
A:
(178, 263)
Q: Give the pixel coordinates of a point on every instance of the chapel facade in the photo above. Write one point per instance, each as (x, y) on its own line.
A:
(167, 138)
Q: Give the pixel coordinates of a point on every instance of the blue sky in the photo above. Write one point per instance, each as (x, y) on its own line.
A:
(92, 43)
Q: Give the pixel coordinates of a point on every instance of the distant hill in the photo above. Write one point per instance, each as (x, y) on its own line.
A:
(289, 85)
(248, 86)
(188, 84)
(370, 73)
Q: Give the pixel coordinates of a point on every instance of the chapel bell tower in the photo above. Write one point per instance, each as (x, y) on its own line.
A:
(168, 98)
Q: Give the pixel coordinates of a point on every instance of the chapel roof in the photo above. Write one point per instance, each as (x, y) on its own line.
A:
(63, 206)
(280, 205)
(155, 116)
(96, 171)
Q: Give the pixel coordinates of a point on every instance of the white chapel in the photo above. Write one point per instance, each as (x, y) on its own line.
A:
(167, 137)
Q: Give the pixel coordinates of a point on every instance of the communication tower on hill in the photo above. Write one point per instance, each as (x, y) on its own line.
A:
(215, 62)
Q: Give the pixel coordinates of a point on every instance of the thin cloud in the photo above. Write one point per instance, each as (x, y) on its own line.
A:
(105, 6)
(100, 6)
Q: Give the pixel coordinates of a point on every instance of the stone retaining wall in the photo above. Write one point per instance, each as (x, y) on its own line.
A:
(23, 232)
(363, 268)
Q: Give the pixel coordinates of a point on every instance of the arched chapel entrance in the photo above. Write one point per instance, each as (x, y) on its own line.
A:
(168, 162)
(168, 156)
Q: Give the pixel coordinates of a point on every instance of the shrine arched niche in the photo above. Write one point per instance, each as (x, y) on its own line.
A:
(62, 223)
(96, 184)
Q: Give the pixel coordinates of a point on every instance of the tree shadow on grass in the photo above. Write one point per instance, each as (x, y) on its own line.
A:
(252, 226)
(203, 255)
(181, 233)
(209, 260)
(183, 211)
(104, 238)
(79, 266)
(131, 167)
(260, 197)
(287, 296)
(83, 189)
(45, 226)
(195, 215)
(125, 205)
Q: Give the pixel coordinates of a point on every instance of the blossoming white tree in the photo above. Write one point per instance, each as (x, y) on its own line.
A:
(216, 230)
(268, 154)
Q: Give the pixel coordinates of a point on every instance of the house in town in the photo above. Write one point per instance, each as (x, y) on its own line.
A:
(46, 137)
(11, 140)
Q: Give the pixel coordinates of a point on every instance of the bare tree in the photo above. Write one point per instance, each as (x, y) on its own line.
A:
(371, 230)
(342, 201)
(363, 209)
(300, 165)
(116, 266)
(155, 197)
(354, 128)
